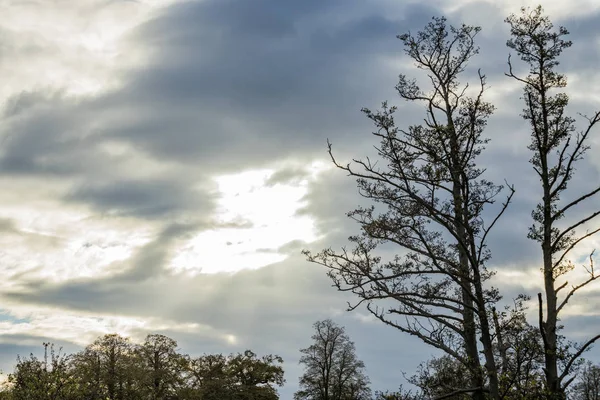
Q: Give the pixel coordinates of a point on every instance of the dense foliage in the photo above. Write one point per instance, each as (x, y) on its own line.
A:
(114, 368)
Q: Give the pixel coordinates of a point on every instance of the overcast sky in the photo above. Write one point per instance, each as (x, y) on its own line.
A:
(163, 163)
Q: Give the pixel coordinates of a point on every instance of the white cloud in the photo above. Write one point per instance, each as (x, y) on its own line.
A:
(557, 9)
(76, 47)
(84, 328)
(57, 243)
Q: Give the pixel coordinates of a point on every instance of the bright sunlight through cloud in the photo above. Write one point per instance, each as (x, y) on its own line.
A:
(267, 219)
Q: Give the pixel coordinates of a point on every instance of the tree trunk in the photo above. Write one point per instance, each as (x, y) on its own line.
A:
(549, 326)
(469, 326)
(548, 329)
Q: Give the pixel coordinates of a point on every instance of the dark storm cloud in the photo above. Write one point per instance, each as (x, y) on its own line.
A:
(227, 86)
(148, 199)
(249, 86)
(42, 135)
(287, 175)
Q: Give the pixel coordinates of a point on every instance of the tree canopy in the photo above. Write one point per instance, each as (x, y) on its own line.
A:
(114, 368)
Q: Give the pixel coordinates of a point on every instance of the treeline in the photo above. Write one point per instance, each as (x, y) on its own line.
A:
(114, 368)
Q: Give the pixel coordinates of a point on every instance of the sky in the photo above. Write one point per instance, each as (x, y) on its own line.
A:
(164, 163)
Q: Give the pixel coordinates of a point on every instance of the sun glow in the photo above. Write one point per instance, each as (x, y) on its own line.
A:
(255, 218)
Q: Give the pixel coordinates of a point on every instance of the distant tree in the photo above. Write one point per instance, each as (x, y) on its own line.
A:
(331, 369)
(106, 369)
(556, 150)
(208, 377)
(47, 379)
(587, 386)
(88, 370)
(242, 376)
(112, 368)
(255, 378)
(432, 195)
(161, 367)
(401, 394)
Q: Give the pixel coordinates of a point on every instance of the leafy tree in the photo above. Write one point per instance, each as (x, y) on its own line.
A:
(433, 196)
(106, 369)
(255, 378)
(6, 394)
(208, 377)
(401, 394)
(332, 370)
(113, 368)
(557, 147)
(161, 367)
(520, 360)
(242, 376)
(47, 379)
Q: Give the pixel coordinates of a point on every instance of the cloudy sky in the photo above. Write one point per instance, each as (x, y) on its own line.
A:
(163, 163)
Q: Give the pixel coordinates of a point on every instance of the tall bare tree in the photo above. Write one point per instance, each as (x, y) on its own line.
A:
(433, 196)
(557, 147)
